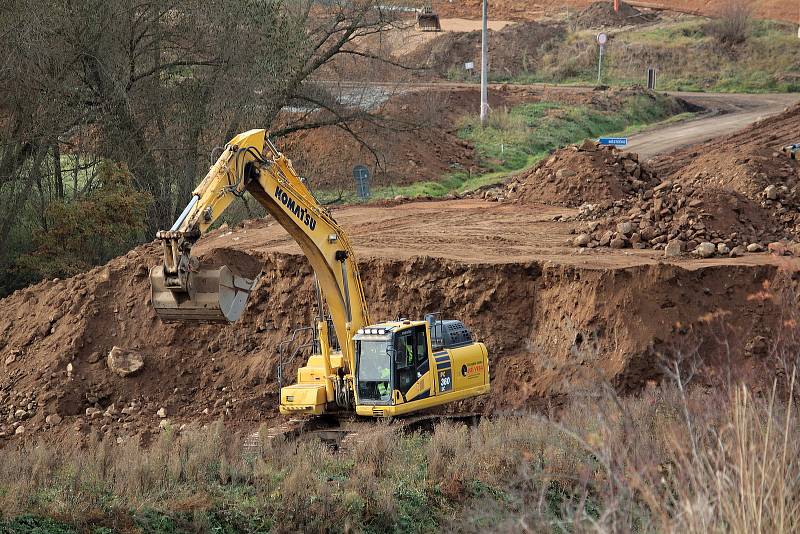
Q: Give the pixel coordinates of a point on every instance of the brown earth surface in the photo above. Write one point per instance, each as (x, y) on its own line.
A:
(556, 321)
(536, 9)
(515, 49)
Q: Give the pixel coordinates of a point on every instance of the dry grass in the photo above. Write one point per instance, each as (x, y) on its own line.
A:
(602, 464)
(732, 24)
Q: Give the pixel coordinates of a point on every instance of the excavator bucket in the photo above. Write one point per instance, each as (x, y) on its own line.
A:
(214, 296)
(428, 21)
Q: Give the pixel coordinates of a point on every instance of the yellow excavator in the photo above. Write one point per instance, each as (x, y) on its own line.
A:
(428, 19)
(380, 370)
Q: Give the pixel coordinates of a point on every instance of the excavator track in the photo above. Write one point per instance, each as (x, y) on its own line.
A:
(346, 433)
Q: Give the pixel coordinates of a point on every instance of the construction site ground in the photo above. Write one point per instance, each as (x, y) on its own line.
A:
(557, 318)
(538, 9)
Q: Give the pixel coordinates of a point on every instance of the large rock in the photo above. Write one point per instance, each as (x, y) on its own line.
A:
(777, 249)
(52, 419)
(124, 362)
(582, 240)
(617, 242)
(706, 250)
(771, 192)
(626, 228)
(674, 248)
(737, 251)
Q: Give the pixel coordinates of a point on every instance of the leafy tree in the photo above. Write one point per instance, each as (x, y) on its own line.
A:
(87, 232)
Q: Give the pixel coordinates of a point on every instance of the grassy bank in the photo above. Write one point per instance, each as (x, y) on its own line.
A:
(659, 462)
(516, 138)
(687, 54)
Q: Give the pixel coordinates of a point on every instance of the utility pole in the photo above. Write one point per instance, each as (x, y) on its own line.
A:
(485, 65)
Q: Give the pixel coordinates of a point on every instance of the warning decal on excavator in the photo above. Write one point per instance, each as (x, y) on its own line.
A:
(445, 380)
(472, 369)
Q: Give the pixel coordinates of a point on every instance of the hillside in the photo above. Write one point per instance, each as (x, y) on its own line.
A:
(786, 10)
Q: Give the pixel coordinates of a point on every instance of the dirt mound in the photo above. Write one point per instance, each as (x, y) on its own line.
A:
(602, 15)
(734, 191)
(416, 140)
(514, 49)
(576, 175)
(747, 161)
(552, 328)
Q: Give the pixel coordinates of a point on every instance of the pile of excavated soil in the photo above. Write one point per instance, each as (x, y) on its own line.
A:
(576, 175)
(734, 194)
(685, 215)
(602, 15)
(514, 49)
(551, 329)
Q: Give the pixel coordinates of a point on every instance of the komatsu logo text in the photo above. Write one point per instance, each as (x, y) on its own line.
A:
(299, 212)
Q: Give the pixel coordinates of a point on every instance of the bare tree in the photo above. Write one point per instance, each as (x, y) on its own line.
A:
(156, 84)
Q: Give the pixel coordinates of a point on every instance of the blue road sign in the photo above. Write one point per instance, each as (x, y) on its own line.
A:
(361, 175)
(614, 141)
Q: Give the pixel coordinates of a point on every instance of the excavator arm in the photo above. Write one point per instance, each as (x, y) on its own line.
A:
(182, 290)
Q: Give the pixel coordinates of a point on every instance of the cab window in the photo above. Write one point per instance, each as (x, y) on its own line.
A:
(411, 357)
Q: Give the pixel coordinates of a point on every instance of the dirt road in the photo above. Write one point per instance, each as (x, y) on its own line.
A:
(467, 230)
(727, 113)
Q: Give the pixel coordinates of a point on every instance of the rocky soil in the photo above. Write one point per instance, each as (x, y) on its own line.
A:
(577, 175)
(87, 356)
(728, 197)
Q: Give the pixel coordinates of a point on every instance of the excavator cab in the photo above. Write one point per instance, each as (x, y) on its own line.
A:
(404, 366)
